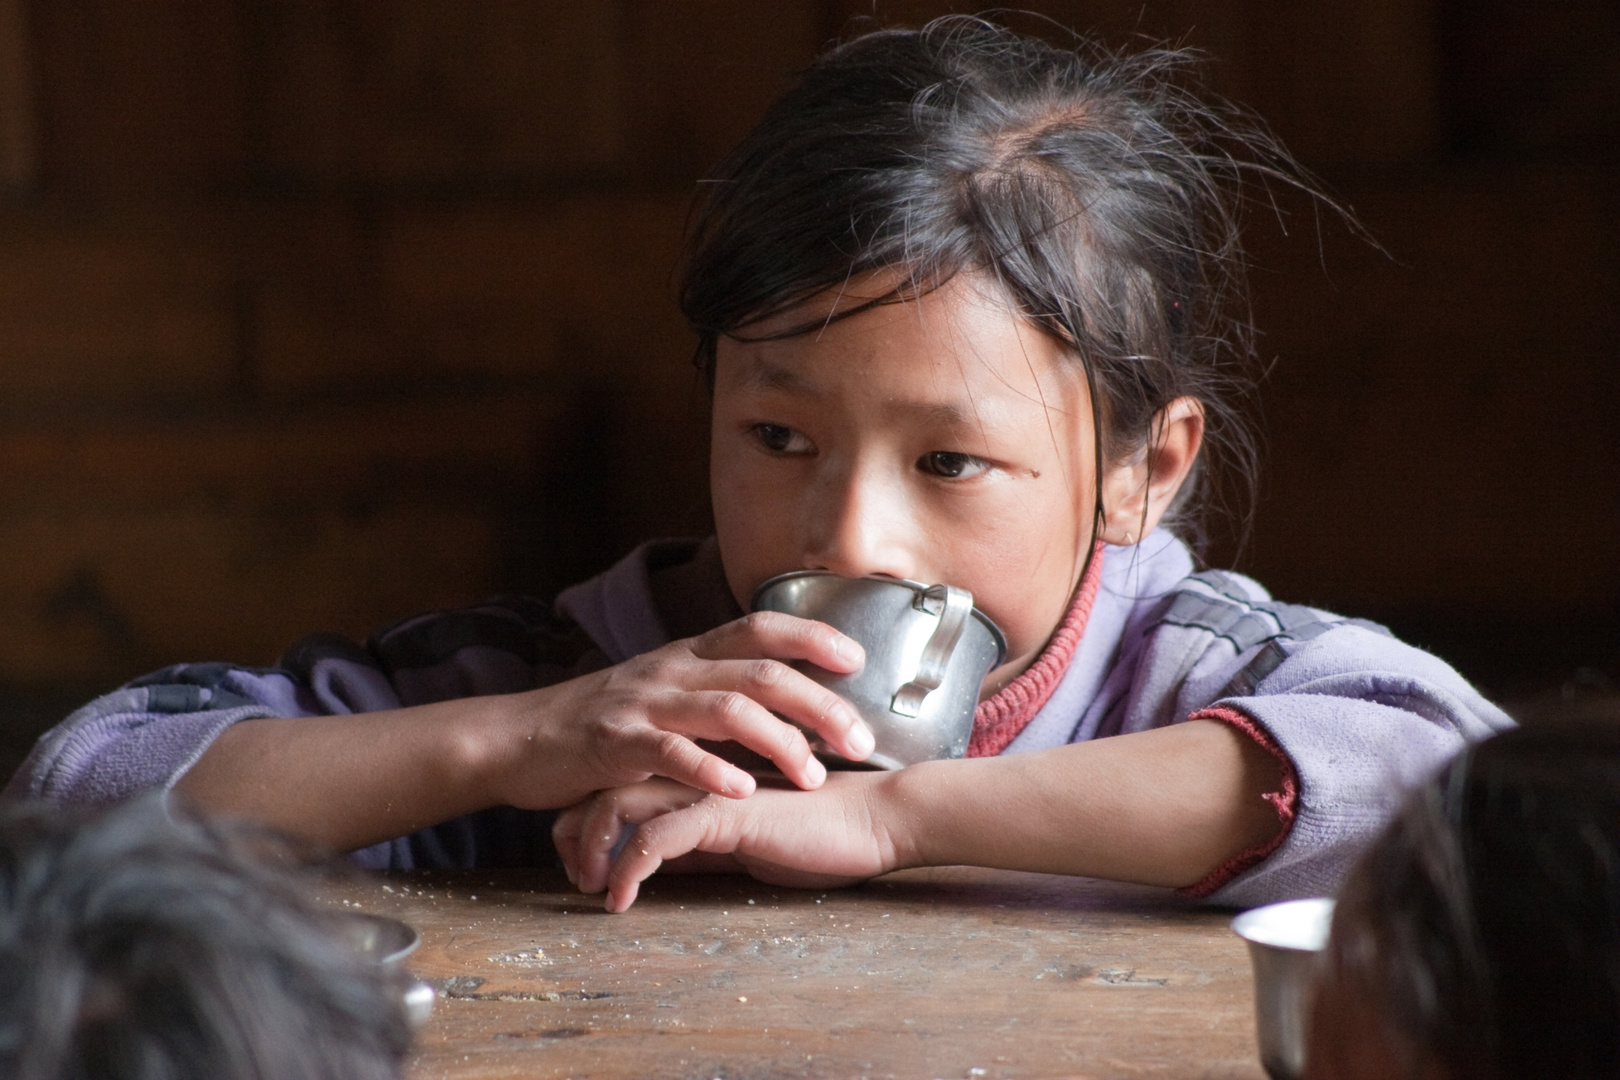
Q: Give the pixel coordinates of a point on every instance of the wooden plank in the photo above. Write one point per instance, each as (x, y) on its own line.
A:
(1444, 420)
(1347, 85)
(703, 71)
(18, 150)
(948, 972)
(437, 91)
(575, 286)
(104, 595)
(114, 308)
(138, 99)
(462, 452)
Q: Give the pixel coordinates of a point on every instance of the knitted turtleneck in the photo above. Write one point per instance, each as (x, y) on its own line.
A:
(998, 720)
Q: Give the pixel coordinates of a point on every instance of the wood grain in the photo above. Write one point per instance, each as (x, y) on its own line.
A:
(941, 973)
(18, 152)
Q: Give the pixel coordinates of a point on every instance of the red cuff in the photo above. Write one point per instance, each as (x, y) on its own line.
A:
(1285, 800)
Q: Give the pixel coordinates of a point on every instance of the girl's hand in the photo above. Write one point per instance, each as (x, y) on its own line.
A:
(638, 719)
(803, 839)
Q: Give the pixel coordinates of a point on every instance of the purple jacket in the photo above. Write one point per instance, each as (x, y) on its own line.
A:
(1360, 715)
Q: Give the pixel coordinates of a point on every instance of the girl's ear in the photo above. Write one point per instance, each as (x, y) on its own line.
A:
(1137, 491)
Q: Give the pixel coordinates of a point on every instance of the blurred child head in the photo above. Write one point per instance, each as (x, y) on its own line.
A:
(1480, 937)
(136, 946)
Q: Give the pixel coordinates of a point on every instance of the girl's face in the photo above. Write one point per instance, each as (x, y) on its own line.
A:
(942, 440)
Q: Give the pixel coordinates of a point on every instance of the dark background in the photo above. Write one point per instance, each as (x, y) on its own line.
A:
(314, 313)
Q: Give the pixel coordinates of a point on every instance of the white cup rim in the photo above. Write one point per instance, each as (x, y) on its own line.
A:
(1295, 925)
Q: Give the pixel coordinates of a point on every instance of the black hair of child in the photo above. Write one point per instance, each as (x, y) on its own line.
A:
(1485, 924)
(1098, 191)
(136, 947)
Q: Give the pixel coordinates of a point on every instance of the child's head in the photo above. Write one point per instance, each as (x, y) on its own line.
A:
(912, 175)
(1480, 937)
(136, 946)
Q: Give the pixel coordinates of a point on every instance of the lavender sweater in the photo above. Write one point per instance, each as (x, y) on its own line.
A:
(1360, 715)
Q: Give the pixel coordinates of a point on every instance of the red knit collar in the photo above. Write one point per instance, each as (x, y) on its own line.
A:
(998, 720)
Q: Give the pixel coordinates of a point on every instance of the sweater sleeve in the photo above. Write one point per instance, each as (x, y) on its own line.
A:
(146, 735)
(1362, 718)
(1284, 800)
(1355, 716)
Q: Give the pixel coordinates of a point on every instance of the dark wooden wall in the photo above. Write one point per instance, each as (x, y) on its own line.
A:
(314, 313)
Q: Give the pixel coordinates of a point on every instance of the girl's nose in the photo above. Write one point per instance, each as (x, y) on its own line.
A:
(860, 524)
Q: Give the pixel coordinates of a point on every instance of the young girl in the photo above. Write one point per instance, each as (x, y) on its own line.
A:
(971, 309)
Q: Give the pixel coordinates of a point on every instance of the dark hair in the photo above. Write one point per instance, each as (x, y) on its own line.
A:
(1484, 926)
(1099, 193)
(133, 946)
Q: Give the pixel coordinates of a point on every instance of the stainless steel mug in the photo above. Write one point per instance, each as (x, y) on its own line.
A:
(1284, 941)
(388, 942)
(928, 650)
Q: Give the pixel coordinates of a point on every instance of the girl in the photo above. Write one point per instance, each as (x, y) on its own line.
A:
(970, 307)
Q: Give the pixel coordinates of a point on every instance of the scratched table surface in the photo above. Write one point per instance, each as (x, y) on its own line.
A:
(954, 973)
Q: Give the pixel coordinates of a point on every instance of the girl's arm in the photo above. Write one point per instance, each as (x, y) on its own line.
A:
(350, 781)
(1162, 807)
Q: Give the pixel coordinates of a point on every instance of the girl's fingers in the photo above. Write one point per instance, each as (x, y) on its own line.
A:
(785, 637)
(600, 830)
(730, 715)
(768, 639)
(794, 695)
(605, 817)
(565, 833)
(724, 687)
(707, 826)
(656, 751)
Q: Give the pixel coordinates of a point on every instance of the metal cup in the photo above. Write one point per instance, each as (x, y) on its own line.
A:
(389, 942)
(928, 650)
(1284, 941)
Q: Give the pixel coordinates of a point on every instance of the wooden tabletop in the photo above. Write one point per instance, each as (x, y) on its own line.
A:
(953, 973)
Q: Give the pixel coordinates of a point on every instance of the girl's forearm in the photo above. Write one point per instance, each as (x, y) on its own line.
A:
(349, 781)
(1163, 807)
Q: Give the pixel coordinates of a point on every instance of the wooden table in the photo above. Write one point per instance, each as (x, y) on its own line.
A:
(954, 973)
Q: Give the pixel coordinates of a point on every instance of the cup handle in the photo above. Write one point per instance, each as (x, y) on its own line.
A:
(953, 606)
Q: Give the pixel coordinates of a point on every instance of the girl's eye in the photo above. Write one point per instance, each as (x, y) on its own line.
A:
(781, 440)
(951, 465)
